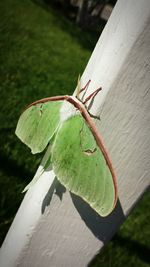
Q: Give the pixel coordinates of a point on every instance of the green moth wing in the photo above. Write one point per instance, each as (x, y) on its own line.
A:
(76, 152)
(38, 123)
(80, 165)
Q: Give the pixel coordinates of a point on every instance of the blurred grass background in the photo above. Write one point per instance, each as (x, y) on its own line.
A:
(41, 54)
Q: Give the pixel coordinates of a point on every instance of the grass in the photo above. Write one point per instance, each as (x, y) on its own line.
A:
(41, 54)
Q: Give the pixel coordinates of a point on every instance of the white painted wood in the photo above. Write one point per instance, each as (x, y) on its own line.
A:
(60, 229)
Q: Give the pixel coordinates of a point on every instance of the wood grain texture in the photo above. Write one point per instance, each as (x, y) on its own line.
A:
(59, 229)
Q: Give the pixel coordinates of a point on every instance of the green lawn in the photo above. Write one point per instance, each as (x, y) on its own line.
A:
(41, 54)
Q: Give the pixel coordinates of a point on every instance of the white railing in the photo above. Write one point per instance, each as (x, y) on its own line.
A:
(60, 229)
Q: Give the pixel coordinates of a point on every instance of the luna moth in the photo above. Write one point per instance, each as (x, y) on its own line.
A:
(77, 153)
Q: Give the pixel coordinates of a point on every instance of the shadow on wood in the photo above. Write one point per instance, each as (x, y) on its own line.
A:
(98, 225)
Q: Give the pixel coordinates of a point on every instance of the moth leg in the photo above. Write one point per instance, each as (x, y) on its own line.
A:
(94, 116)
(82, 89)
(85, 87)
(92, 95)
(85, 90)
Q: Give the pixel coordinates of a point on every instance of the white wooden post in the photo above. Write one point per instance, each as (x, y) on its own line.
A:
(60, 229)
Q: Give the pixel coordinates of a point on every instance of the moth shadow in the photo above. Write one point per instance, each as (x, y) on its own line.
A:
(99, 226)
(56, 188)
